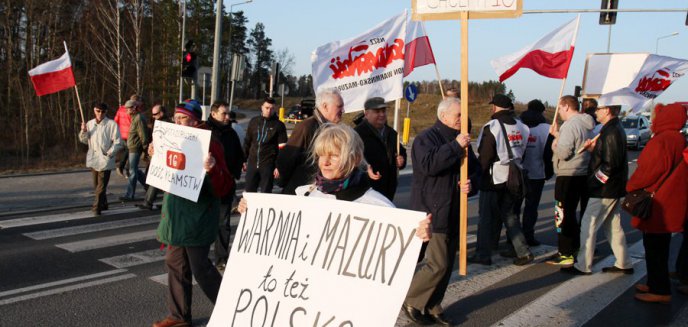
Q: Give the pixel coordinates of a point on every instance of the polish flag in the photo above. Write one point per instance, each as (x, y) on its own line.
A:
(417, 51)
(550, 56)
(53, 76)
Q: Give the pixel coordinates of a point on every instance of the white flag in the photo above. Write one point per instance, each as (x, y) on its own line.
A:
(369, 65)
(654, 77)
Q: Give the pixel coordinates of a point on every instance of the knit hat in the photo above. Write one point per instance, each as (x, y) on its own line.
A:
(190, 108)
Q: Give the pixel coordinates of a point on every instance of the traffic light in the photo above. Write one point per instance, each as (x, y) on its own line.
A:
(608, 18)
(189, 64)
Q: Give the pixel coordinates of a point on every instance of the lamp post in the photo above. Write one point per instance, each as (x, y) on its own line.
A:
(663, 37)
(231, 10)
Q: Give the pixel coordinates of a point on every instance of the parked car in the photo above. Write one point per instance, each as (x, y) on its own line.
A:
(302, 110)
(637, 131)
(684, 130)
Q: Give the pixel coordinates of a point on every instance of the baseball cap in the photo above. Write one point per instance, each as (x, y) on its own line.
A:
(502, 101)
(375, 103)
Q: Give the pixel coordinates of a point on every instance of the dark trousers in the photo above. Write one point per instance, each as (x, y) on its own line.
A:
(657, 262)
(124, 155)
(682, 259)
(262, 177)
(100, 183)
(151, 194)
(181, 263)
(430, 281)
(567, 194)
(530, 211)
(497, 208)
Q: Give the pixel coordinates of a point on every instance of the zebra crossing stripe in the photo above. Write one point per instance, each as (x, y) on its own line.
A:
(65, 289)
(30, 221)
(60, 282)
(103, 242)
(83, 229)
(579, 299)
(135, 259)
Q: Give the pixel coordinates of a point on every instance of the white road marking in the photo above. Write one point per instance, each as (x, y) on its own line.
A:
(162, 279)
(66, 289)
(579, 299)
(135, 259)
(60, 282)
(76, 230)
(103, 242)
(30, 221)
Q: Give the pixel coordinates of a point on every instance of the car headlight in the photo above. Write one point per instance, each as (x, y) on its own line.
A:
(632, 136)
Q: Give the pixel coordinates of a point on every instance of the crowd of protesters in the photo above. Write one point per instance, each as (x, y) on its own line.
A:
(325, 158)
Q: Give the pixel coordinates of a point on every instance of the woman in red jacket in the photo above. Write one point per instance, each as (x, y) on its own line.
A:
(661, 164)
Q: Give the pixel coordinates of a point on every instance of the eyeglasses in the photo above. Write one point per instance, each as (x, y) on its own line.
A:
(99, 110)
(156, 113)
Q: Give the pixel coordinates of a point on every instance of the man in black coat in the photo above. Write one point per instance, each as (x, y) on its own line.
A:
(380, 147)
(264, 136)
(436, 154)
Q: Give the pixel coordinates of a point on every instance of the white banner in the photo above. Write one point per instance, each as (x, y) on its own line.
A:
(177, 163)
(366, 66)
(449, 6)
(303, 261)
(655, 76)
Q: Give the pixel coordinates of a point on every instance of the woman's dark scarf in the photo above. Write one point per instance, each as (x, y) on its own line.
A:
(347, 188)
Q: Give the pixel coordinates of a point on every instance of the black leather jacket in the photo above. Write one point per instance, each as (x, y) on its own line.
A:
(609, 161)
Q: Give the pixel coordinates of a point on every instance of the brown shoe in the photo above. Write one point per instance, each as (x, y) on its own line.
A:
(653, 298)
(171, 322)
(642, 288)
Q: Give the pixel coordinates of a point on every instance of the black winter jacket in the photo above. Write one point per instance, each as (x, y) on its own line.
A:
(234, 155)
(263, 137)
(436, 157)
(609, 161)
(292, 163)
(381, 153)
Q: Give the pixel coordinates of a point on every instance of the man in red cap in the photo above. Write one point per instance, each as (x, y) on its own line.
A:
(189, 228)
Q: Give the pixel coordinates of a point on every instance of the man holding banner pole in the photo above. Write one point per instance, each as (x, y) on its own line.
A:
(436, 155)
(189, 228)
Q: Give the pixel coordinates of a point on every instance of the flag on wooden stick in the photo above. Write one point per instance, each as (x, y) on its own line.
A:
(53, 76)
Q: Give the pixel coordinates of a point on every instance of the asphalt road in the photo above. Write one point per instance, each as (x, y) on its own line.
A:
(59, 266)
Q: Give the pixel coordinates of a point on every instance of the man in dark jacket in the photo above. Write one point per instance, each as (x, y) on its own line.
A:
(264, 136)
(158, 112)
(437, 154)
(220, 124)
(501, 141)
(606, 187)
(380, 147)
(293, 166)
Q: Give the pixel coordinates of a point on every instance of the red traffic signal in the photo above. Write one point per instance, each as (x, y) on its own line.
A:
(189, 64)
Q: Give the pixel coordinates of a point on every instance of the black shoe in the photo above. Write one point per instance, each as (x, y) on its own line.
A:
(144, 206)
(533, 242)
(522, 261)
(615, 269)
(126, 199)
(573, 271)
(440, 318)
(508, 253)
(416, 316)
(482, 261)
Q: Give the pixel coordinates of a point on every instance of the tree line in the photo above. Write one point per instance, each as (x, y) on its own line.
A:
(119, 48)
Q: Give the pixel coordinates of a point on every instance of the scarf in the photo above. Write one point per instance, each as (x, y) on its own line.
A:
(347, 188)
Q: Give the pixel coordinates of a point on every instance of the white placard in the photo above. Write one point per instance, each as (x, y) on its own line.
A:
(177, 163)
(450, 6)
(304, 261)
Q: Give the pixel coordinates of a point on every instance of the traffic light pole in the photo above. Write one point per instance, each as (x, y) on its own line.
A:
(214, 80)
(181, 79)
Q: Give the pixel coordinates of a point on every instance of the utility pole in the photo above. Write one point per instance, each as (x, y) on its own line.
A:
(181, 79)
(215, 83)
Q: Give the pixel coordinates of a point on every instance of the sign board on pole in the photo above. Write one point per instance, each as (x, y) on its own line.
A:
(608, 72)
(444, 10)
(411, 92)
(177, 163)
(304, 261)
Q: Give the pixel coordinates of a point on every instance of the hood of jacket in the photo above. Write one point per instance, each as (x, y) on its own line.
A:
(583, 120)
(533, 118)
(671, 117)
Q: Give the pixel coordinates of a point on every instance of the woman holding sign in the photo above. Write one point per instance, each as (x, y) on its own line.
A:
(338, 152)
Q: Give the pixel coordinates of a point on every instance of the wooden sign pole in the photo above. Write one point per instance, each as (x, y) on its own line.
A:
(463, 216)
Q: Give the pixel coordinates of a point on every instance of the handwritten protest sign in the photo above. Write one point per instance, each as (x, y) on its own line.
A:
(303, 261)
(177, 164)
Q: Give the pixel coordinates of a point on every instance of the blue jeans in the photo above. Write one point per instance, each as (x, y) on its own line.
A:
(495, 208)
(134, 174)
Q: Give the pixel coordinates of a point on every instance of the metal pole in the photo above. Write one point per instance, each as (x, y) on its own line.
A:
(214, 80)
(609, 39)
(204, 83)
(181, 79)
(231, 97)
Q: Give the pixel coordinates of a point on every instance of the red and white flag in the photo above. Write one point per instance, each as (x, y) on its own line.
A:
(550, 56)
(654, 77)
(53, 76)
(418, 51)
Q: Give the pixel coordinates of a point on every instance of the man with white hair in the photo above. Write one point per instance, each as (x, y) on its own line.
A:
(436, 154)
(292, 161)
